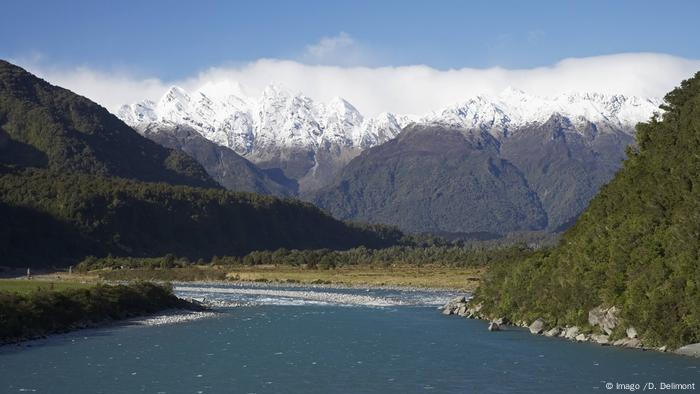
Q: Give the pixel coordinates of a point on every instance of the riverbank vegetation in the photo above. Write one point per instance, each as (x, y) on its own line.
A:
(445, 266)
(27, 314)
(636, 246)
(28, 286)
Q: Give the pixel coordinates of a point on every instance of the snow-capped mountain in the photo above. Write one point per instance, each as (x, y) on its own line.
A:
(278, 118)
(311, 141)
(514, 109)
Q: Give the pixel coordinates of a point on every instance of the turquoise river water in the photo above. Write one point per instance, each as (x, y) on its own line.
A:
(326, 340)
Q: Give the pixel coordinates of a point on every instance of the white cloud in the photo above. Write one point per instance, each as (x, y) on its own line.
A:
(406, 89)
(340, 50)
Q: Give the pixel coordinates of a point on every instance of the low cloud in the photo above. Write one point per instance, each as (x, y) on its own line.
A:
(406, 89)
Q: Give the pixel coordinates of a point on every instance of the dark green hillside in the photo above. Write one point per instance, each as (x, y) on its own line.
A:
(435, 179)
(76, 181)
(42, 125)
(565, 165)
(637, 246)
(51, 218)
(228, 168)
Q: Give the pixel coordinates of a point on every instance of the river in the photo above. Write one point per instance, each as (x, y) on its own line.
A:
(325, 340)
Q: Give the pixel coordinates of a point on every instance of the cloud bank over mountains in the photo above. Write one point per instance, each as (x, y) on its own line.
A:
(416, 89)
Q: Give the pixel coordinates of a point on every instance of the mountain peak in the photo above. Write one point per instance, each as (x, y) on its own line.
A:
(280, 119)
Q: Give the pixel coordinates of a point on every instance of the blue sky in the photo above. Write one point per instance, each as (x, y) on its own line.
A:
(398, 56)
(172, 39)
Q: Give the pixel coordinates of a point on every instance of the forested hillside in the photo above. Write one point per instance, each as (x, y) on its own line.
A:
(46, 126)
(76, 181)
(637, 246)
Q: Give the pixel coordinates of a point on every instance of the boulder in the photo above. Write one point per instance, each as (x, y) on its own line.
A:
(596, 315)
(611, 319)
(554, 332)
(571, 332)
(631, 332)
(600, 339)
(605, 318)
(493, 326)
(628, 342)
(462, 310)
(689, 350)
(454, 306)
(501, 321)
(537, 327)
(582, 338)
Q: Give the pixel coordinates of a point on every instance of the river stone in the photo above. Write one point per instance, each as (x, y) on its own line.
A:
(631, 332)
(462, 310)
(571, 332)
(455, 305)
(493, 326)
(582, 338)
(501, 321)
(620, 342)
(553, 332)
(600, 339)
(689, 350)
(537, 326)
(628, 342)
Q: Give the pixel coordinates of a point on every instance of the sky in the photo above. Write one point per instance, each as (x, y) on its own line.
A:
(399, 56)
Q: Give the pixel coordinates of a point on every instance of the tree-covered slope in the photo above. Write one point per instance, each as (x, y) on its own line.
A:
(76, 181)
(565, 164)
(637, 246)
(50, 218)
(225, 166)
(42, 125)
(435, 179)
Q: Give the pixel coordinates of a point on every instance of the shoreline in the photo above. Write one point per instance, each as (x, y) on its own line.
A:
(460, 307)
(167, 316)
(339, 286)
(31, 313)
(200, 310)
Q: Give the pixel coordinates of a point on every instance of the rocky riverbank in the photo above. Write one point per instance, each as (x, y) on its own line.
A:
(604, 327)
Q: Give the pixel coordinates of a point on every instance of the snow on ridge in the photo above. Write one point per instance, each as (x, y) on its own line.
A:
(223, 113)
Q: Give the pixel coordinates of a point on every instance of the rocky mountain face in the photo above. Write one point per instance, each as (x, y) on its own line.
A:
(536, 161)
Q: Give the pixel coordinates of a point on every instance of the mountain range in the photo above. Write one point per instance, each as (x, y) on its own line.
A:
(77, 181)
(558, 151)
